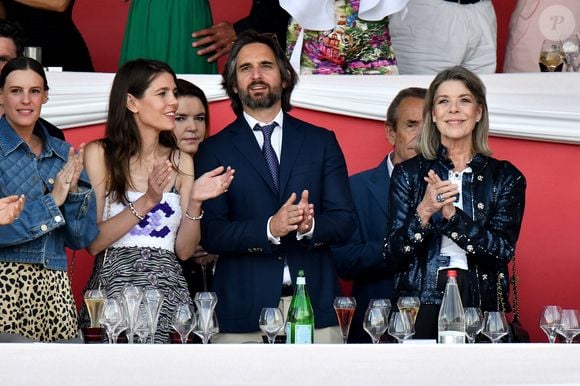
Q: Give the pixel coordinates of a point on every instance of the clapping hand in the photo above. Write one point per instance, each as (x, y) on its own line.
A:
(307, 213)
(10, 208)
(67, 178)
(440, 195)
(212, 184)
(159, 180)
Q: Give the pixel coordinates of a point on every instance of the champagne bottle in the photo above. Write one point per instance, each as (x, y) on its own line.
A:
(300, 321)
(451, 322)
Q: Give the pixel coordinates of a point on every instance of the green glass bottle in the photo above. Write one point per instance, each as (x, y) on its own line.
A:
(300, 321)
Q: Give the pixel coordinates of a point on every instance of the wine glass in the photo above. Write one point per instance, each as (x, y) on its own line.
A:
(94, 300)
(271, 322)
(153, 300)
(409, 304)
(132, 297)
(111, 317)
(344, 307)
(142, 328)
(183, 321)
(550, 321)
(551, 55)
(473, 323)
(205, 302)
(570, 325)
(571, 49)
(214, 327)
(401, 326)
(375, 322)
(495, 325)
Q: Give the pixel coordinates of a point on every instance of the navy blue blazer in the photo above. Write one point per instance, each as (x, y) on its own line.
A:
(249, 271)
(361, 258)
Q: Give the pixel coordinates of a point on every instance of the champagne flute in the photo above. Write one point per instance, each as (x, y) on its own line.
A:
(111, 316)
(153, 300)
(571, 49)
(473, 323)
(550, 321)
(94, 300)
(495, 325)
(409, 304)
(375, 322)
(183, 321)
(570, 325)
(401, 326)
(214, 327)
(344, 307)
(205, 302)
(142, 328)
(271, 322)
(551, 55)
(132, 297)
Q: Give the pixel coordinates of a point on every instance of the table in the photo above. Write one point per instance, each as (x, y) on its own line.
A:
(260, 364)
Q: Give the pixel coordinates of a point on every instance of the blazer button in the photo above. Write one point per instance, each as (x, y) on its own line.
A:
(280, 258)
(44, 227)
(480, 206)
(259, 250)
(418, 236)
(57, 219)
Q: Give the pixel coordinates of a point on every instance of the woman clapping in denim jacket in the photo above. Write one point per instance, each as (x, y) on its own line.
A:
(59, 211)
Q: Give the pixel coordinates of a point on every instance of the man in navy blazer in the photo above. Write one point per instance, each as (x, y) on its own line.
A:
(361, 258)
(270, 224)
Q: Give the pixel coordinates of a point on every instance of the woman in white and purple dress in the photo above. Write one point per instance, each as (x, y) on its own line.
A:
(148, 206)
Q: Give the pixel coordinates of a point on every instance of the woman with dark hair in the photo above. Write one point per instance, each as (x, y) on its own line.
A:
(453, 206)
(59, 211)
(191, 128)
(148, 205)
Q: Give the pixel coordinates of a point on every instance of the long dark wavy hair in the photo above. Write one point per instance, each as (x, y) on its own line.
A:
(122, 139)
(229, 81)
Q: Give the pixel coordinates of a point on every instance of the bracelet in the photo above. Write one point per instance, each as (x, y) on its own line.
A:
(194, 218)
(135, 213)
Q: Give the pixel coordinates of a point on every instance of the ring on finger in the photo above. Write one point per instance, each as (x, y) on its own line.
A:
(439, 197)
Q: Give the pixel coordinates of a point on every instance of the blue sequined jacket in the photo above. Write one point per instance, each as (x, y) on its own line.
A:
(43, 229)
(486, 229)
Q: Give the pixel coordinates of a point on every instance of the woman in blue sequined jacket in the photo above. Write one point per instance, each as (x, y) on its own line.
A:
(453, 206)
(59, 210)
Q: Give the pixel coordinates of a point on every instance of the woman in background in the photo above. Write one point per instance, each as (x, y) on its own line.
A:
(60, 210)
(191, 128)
(161, 30)
(148, 205)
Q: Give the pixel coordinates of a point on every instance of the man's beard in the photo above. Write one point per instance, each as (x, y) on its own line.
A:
(261, 102)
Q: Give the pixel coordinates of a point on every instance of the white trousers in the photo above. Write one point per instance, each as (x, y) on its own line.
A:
(437, 34)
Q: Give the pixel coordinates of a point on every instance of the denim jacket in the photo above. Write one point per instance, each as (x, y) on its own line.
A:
(486, 229)
(43, 229)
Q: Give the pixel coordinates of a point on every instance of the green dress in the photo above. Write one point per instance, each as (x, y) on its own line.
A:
(161, 29)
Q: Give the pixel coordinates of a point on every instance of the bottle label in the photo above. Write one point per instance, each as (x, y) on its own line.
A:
(302, 334)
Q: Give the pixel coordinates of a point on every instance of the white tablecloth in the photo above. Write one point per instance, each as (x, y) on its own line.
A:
(542, 106)
(320, 365)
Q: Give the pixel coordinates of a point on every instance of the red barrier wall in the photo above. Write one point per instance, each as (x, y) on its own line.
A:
(547, 251)
(102, 24)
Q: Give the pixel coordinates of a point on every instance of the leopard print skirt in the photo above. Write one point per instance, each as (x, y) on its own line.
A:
(36, 302)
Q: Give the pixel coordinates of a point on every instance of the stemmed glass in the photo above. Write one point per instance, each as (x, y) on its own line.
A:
(214, 327)
(142, 328)
(205, 302)
(375, 322)
(344, 307)
(495, 325)
(401, 326)
(551, 55)
(153, 300)
(94, 300)
(570, 325)
(132, 297)
(271, 322)
(183, 321)
(550, 321)
(473, 323)
(409, 304)
(571, 48)
(111, 316)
